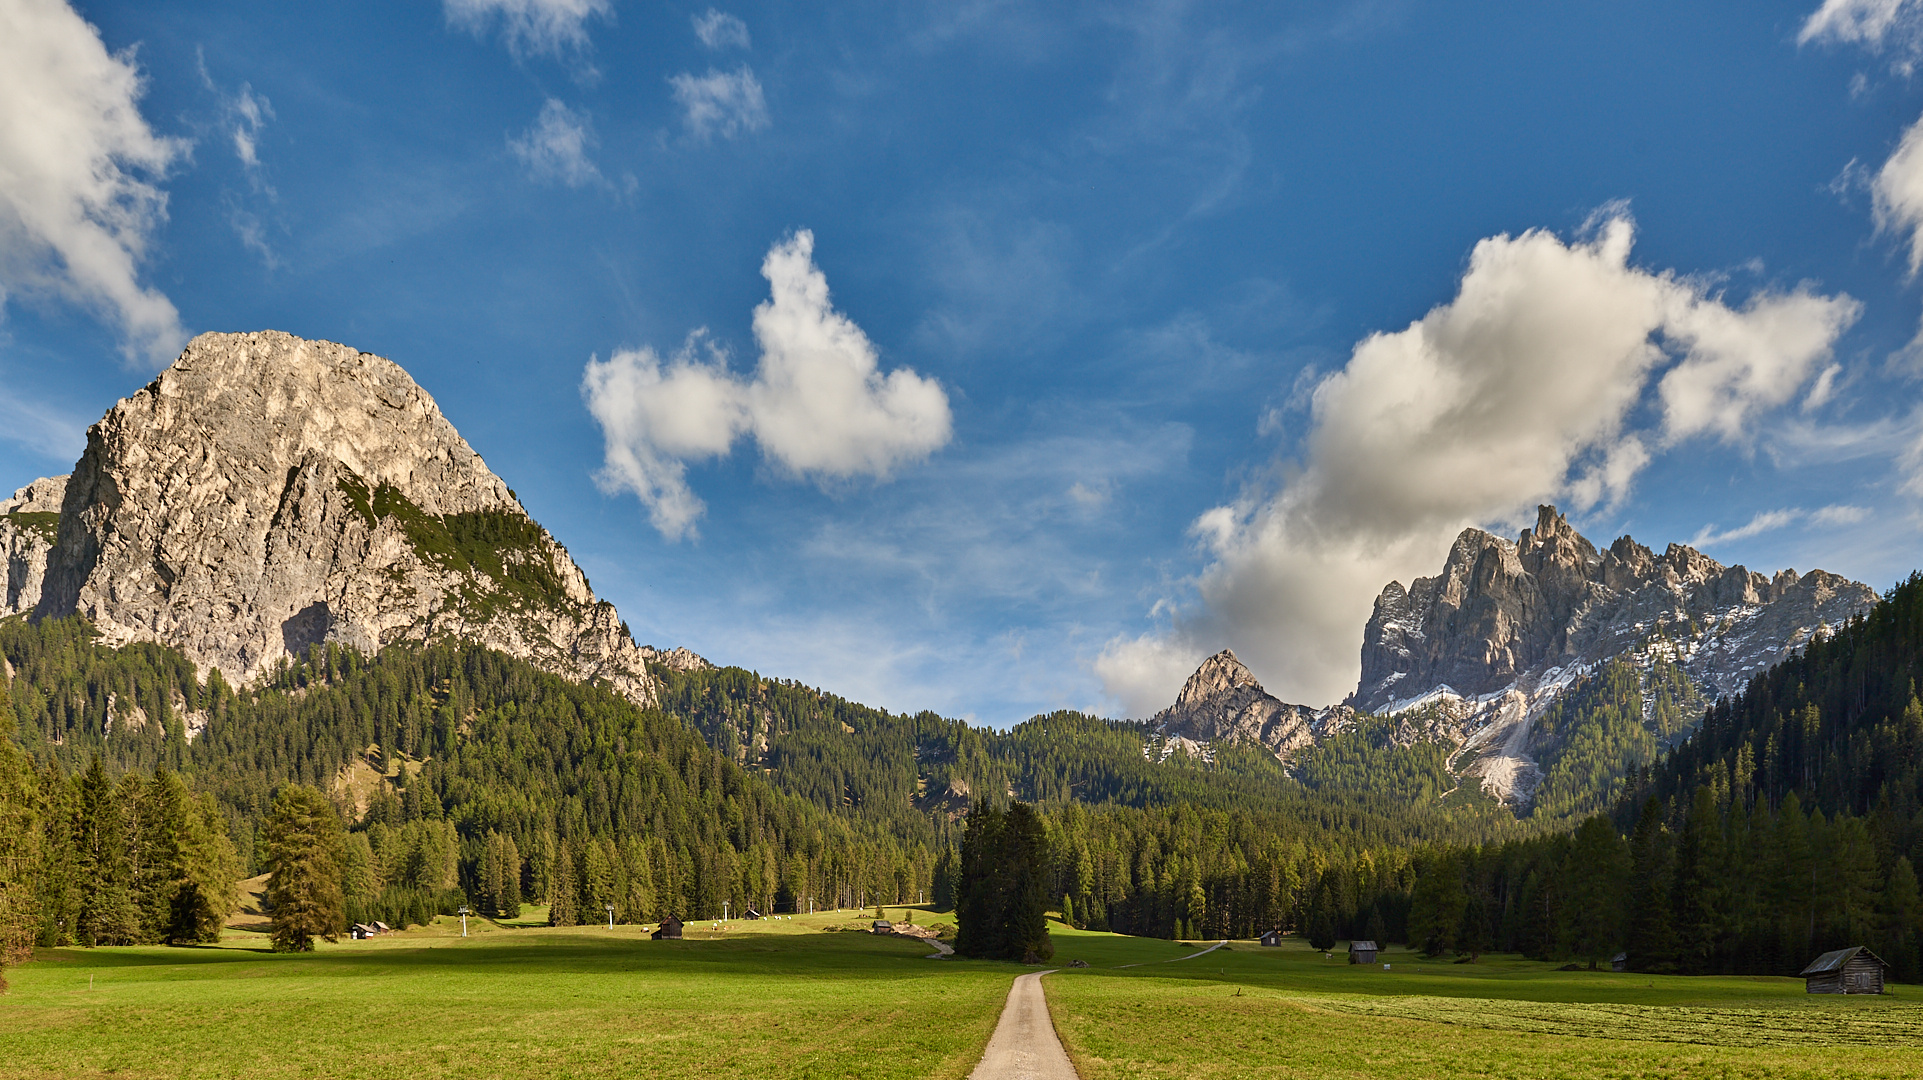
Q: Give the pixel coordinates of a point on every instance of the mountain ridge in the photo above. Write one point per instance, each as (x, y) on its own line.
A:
(266, 493)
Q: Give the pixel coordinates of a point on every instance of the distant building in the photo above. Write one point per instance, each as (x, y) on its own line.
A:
(1272, 938)
(1362, 952)
(670, 928)
(751, 914)
(1619, 962)
(882, 926)
(362, 931)
(1846, 971)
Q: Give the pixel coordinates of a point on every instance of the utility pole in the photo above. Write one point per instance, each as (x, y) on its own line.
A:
(463, 913)
(724, 911)
(610, 908)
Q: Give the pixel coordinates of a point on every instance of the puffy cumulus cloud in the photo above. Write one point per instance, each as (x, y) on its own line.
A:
(556, 147)
(1142, 674)
(818, 403)
(658, 415)
(1519, 390)
(724, 103)
(720, 30)
(530, 26)
(79, 201)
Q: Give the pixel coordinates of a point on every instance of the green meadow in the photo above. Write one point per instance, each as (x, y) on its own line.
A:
(784, 998)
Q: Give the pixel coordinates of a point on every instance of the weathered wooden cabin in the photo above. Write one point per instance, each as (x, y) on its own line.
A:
(1362, 952)
(882, 926)
(1846, 971)
(670, 928)
(1272, 938)
(1619, 962)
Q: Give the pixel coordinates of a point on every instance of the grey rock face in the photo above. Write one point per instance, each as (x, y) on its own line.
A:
(1223, 702)
(1505, 626)
(26, 539)
(266, 493)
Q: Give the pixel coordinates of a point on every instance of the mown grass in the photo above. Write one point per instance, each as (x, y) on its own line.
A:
(781, 998)
(1249, 1011)
(771, 999)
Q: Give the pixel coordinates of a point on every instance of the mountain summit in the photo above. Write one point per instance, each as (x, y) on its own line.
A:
(1505, 627)
(1223, 700)
(267, 493)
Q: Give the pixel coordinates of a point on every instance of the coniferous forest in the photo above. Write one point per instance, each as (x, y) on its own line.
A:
(1788, 823)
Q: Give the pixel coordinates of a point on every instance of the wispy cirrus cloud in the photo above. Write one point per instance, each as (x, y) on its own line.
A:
(720, 30)
(1832, 516)
(556, 148)
(724, 103)
(530, 27)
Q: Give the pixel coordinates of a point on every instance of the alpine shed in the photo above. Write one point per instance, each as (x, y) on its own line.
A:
(1846, 971)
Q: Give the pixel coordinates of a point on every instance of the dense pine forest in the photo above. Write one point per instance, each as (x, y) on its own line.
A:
(1790, 821)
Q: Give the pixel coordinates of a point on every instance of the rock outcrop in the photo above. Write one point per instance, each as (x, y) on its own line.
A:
(267, 493)
(1506, 626)
(1223, 702)
(29, 522)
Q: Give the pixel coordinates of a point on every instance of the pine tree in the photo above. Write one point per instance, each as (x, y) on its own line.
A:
(1595, 870)
(1652, 944)
(306, 854)
(19, 844)
(561, 887)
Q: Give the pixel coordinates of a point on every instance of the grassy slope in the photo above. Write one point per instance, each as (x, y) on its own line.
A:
(782, 998)
(1249, 1011)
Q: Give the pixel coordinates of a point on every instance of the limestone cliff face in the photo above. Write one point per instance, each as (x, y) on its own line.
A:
(28, 524)
(1223, 702)
(1501, 612)
(1495, 637)
(266, 493)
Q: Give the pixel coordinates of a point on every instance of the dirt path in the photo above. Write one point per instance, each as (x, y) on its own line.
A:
(1025, 1046)
(940, 950)
(1172, 960)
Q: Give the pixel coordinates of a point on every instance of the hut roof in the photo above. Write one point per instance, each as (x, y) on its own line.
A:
(1835, 959)
(1362, 946)
(1619, 958)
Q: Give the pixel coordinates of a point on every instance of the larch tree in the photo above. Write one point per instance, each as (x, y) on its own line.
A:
(306, 856)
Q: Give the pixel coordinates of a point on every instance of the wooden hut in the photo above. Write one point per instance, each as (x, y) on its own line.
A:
(1272, 938)
(1619, 962)
(882, 926)
(1846, 971)
(670, 928)
(1362, 952)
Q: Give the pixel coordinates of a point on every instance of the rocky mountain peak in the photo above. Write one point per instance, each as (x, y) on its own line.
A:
(266, 493)
(1505, 626)
(1224, 702)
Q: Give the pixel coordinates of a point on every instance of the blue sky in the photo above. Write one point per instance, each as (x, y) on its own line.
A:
(1116, 364)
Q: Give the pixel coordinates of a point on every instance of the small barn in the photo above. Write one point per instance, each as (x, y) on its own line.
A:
(670, 929)
(1362, 952)
(362, 931)
(882, 926)
(1619, 962)
(1272, 938)
(1846, 971)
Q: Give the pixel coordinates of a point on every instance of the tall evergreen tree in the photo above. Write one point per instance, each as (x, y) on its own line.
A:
(1651, 941)
(306, 854)
(1595, 871)
(19, 844)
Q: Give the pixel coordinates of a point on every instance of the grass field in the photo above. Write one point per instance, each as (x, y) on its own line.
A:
(783, 999)
(1250, 1011)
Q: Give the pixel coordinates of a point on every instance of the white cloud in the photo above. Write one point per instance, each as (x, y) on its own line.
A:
(556, 147)
(1519, 390)
(1142, 674)
(723, 103)
(1870, 23)
(720, 30)
(1771, 520)
(79, 203)
(530, 26)
(1767, 521)
(817, 404)
(1897, 191)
